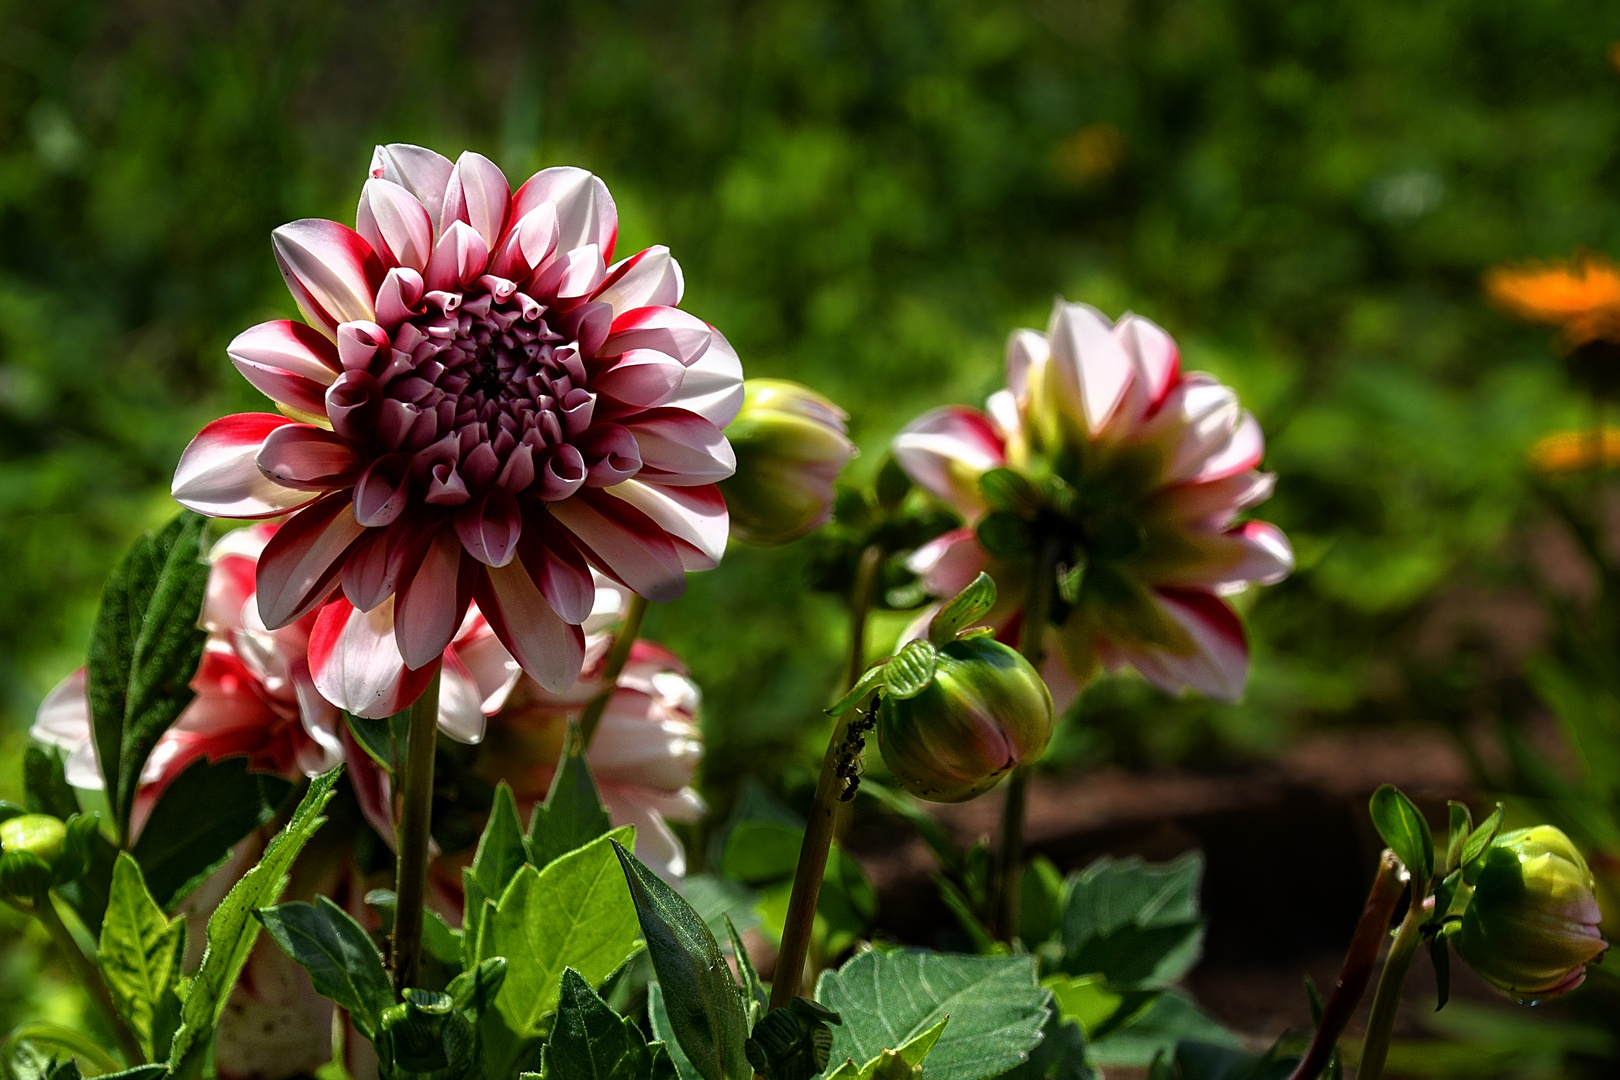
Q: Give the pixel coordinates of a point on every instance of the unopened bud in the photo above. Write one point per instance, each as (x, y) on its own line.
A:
(985, 712)
(31, 851)
(791, 445)
(1531, 926)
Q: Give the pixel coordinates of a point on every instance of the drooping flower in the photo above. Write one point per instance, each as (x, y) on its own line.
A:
(479, 407)
(791, 444)
(1582, 298)
(1135, 474)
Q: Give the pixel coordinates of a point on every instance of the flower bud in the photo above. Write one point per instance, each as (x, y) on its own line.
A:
(1531, 926)
(985, 711)
(31, 850)
(790, 446)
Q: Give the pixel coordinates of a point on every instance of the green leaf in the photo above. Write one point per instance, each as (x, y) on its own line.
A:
(1462, 823)
(1006, 534)
(911, 670)
(706, 1008)
(1040, 902)
(89, 893)
(1167, 1020)
(572, 815)
(1133, 922)
(590, 1041)
(232, 930)
(1440, 956)
(574, 913)
(202, 815)
(1061, 1054)
(144, 649)
(745, 967)
(658, 1019)
(1404, 832)
(995, 1007)
(963, 610)
(441, 946)
(1481, 838)
(342, 962)
(45, 785)
(910, 1055)
(383, 739)
(501, 852)
(792, 1042)
(140, 953)
(1086, 1000)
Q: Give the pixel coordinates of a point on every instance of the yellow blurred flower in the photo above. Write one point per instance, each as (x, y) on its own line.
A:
(1566, 452)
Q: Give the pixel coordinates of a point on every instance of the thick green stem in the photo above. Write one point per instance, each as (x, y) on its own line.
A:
(613, 666)
(1359, 961)
(1387, 998)
(415, 823)
(860, 606)
(1032, 643)
(89, 977)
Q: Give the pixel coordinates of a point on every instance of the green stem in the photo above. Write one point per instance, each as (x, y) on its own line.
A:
(1032, 643)
(860, 606)
(612, 667)
(1387, 998)
(89, 977)
(415, 824)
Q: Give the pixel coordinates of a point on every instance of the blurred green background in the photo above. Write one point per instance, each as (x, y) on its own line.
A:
(866, 196)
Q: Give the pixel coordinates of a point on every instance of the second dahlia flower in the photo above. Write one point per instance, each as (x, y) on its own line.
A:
(1137, 473)
(479, 405)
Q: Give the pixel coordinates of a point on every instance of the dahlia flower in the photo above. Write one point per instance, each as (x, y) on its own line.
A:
(254, 694)
(1137, 472)
(478, 406)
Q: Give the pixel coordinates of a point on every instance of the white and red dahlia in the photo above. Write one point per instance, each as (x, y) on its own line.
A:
(481, 407)
(1138, 475)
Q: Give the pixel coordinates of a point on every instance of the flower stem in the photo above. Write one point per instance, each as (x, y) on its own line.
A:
(1359, 959)
(613, 666)
(1387, 998)
(860, 606)
(415, 822)
(89, 977)
(1032, 643)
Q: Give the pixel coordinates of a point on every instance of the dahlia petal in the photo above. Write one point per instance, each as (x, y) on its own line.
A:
(372, 569)
(490, 528)
(321, 721)
(1002, 409)
(493, 671)
(563, 473)
(1218, 666)
(950, 562)
(1216, 503)
(585, 210)
(1154, 357)
(355, 662)
(285, 347)
(217, 474)
(428, 608)
(1197, 418)
(358, 345)
(558, 568)
(307, 458)
(528, 243)
(667, 329)
(331, 271)
(422, 172)
(643, 378)
(696, 515)
(1268, 556)
(461, 706)
(400, 295)
(477, 194)
(382, 491)
(353, 404)
(713, 387)
(574, 275)
(550, 650)
(684, 447)
(649, 277)
(397, 226)
(946, 450)
(1027, 350)
(457, 260)
(611, 454)
(1090, 368)
(624, 542)
(1240, 452)
(63, 719)
(657, 846)
(303, 560)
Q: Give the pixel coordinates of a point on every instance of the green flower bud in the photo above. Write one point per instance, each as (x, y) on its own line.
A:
(32, 847)
(790, 446)
(985, 711)
(1531, 926)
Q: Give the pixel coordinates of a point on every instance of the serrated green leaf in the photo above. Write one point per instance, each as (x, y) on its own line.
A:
(1168, 1019)
(1405, 832)
(705, 1007)
(964, 609)
(911, 670)
(144, 649)
(501, 851)
(45, 785)
(89, 893)
(1086, 1000)
(232, 930)
(1040, 902)
(574, 913)
(572, 815)
(1481, 838)
(590, 1041)
(140, 954)
(1133, 922)
(910, 1055)
(1061, 1054)
(202, 815)
(342, 962)
(995, 1007)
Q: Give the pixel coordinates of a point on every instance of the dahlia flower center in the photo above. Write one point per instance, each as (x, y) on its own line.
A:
(469, 392)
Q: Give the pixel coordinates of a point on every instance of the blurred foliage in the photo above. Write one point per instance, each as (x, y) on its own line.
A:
(867, 196)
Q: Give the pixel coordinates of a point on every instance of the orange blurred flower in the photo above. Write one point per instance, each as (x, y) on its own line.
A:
(1565, 452)
(1582, 295)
